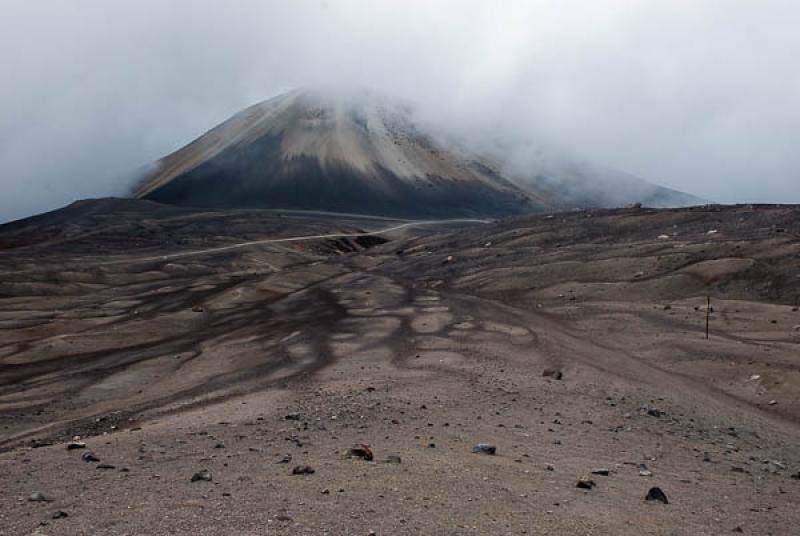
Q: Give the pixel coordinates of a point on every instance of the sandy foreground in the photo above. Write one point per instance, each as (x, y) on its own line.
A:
(573, 343)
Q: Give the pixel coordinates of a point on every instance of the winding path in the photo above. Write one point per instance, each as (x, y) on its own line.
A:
(292, 239)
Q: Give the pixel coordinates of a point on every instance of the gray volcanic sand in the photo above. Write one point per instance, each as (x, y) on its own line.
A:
(165, 368)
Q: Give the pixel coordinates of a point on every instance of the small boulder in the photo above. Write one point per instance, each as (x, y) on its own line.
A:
(303, 470)
(203, 475)
(89, 457)
(552, 373)
(585, 483)
(361, 451)
(656, 494)
(602, 472)
(60, 514)
(38, 496)
(485, 448)
(74, 445)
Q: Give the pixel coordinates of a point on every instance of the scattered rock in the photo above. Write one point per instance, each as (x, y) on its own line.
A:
(644, 471)
(655, 412)
(38, 496)
(198, 309)
(285, 459)
(361, 451)
(601, 472)
(585, 483)
(393, 458)
(303, 470)
(60, 514)
(656, 494)
(202, 476)
(106, 466)
(89, 457)
(293, 416)
(74, 445)
(773, 402)
(484, 448)
(283, 517)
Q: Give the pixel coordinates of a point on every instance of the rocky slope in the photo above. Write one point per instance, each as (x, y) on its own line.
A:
(572, 342)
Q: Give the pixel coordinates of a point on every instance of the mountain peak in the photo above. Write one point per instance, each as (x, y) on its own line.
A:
(357, 150)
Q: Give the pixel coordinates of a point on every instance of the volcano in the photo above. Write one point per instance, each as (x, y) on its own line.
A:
(364, 152)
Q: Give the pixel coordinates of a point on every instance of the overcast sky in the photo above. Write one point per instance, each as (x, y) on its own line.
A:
(702, 96)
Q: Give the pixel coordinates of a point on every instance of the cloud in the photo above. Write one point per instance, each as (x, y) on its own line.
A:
(696, 95)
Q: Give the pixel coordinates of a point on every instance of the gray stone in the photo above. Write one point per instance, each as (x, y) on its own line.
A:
(485, 448)
(202, 476)
(89, 457)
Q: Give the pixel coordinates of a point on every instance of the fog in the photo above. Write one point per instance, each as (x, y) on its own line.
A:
(701, 96)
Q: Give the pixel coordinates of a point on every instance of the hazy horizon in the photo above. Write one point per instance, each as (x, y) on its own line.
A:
(695, 96)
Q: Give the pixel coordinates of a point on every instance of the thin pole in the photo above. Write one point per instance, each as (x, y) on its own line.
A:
(708, 312)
